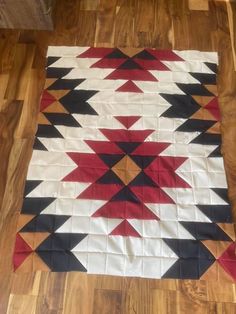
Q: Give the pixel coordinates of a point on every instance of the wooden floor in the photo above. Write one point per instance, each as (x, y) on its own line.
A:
(179, 24)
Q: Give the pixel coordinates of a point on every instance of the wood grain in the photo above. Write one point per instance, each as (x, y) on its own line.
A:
(160, 24)
(27, 14)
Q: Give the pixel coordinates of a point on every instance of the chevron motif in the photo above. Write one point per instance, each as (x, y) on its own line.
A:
(126, 176)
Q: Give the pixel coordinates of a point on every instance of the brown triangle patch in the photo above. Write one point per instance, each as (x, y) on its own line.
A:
(49, 82)
(203, 100)
(56, 107)
(131, 51)
(216, 247)
(228, 229)
(212, 88)
(216, 273)
(34, 239)
(42, 119)
(126, 169)
(203, 114)
(32, 263)
(58, 93)
(23, 220)
(211, 273)
(215, 129)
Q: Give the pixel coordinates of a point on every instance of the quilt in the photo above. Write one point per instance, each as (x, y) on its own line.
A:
(126, 176)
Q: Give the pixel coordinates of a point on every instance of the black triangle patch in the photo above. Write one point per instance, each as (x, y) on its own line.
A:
(125, 195)
(185, 248)
(194, 89)
(205, 78)
(57, 72)
(216, 152)
(194, 259)
(110, 160)
(142, 161)
(48, 131)
(62, 119)
(145, 55)
(211, 66)
(65, 84)
(110, 178)
(45, 223)
(182, 106)
(142, 180)
(61, 241)
(38, 145)
(34, 205)
(130, 65)
(222, 193)
(76, 102)
(217, 213)
(61, 261)
(128, 147)
(193, 125)
(30, 185)
(205, 231)
(207, 139)
(192, 268)
(51, 60)
(116, 54)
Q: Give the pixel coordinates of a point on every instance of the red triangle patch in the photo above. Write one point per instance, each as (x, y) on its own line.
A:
(127, 121)
(129, 86)
(125, 210)
(95, 52)
(108, 63)
(228, 261)
(133, 74)
(165, 55)
(125, 229)
(97, 191)
(126, 135)
(21, 252)
(152, 65)
(46, 100)
(149, 194)
(213, 107)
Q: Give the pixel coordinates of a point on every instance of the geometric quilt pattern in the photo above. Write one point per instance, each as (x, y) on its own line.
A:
(126, 176)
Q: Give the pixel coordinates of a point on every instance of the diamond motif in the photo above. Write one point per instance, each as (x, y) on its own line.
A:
(126, 169)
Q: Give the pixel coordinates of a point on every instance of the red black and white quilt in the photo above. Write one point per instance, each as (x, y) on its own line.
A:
(126, 176)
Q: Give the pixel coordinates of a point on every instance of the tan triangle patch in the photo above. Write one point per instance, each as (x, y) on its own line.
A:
(228, 229)
(217, 248)
(126, 169)
(42, 119)
(215, 129)
(203, 100)
(23, 220)
(34, 239)
(58, 93)
(32, 263)
(216, 273)
(131, 51)
(38, 263)
(211, 273)
(203, 114)
(56, 107)
(212, 88)
(49, 82)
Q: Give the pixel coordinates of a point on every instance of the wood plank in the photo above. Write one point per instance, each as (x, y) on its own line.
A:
(231, 10)
(105, 35)
(27, 14)
(22, 304)
(201, 5)
(130, 23)
(107, 301)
